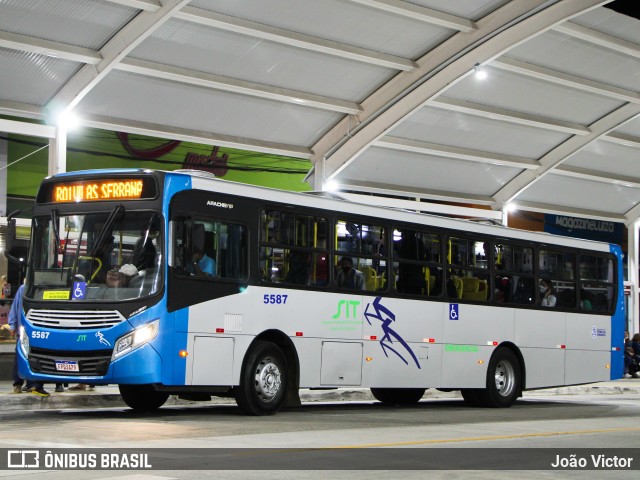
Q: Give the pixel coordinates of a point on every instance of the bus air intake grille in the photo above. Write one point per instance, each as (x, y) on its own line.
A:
(90, 362)
(74, 319)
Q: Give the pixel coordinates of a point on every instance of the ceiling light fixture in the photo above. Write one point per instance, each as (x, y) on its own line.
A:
(481, 73)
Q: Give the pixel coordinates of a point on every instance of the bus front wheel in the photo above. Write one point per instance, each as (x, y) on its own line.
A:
(398, 396)
(263, 383)
(142, 398)
(504, 380)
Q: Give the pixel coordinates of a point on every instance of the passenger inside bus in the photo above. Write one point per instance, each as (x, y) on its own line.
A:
(548, 293)
(349, 277)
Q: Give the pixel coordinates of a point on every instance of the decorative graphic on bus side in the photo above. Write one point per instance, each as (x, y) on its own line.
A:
(386, 316)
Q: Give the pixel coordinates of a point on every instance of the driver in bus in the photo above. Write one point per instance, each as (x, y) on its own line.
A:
(202, 264)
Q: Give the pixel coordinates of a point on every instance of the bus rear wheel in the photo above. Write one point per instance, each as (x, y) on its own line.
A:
(263, 381)
(504, 380)
(398, 396)
(142, 398)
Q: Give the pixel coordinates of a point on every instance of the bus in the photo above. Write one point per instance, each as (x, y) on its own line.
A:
(178, 283)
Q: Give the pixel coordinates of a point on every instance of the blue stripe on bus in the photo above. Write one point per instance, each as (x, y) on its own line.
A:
(176, 372)
(618, 321)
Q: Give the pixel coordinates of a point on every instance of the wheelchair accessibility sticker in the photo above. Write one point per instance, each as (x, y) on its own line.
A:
(453, 311)
(79, 290)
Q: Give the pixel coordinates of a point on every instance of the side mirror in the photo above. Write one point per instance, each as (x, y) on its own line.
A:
(10, 238)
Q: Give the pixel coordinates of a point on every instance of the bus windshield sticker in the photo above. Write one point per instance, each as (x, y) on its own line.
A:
(56, 295)
(453, 311)
(79, 290)
(386, 316)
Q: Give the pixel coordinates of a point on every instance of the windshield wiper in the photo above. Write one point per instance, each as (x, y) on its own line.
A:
(55, 226)
(115, 214)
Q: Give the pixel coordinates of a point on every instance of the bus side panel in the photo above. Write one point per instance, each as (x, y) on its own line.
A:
(469, 335)
(477, 325)
(587, 366)
(465, 366)
(587, 336)
(545, 367)
(309, 353)
(541, 335)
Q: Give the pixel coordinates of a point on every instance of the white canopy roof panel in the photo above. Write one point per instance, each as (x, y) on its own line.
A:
(381, 95)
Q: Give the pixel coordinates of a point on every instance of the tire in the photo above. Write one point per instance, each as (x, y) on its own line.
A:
(142, 398)
(504, 380)
(398, 396)
(263, 381)
(470, 396)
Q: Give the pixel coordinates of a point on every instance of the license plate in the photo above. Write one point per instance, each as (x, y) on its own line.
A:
(67, 366)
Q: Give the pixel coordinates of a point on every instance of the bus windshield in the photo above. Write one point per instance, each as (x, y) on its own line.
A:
(113, 255)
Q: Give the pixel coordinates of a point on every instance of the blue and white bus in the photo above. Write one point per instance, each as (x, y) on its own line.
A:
(177, 283)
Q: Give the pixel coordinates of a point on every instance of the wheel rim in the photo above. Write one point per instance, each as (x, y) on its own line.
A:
(505, 378)
(268, 379)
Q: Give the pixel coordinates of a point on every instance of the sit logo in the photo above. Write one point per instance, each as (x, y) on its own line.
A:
(347, 303)
(81, 338)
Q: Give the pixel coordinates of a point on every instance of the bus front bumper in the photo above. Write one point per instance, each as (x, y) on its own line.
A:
(141, 366)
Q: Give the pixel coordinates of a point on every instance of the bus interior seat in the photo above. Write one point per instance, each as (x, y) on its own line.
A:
(456, 284)
(474, 289)
(370, 278)
(427, 281)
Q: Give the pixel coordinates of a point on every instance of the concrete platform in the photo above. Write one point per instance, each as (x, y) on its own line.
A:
(109, 396)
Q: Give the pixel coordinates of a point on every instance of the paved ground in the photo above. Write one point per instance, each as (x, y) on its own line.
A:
(108, 396)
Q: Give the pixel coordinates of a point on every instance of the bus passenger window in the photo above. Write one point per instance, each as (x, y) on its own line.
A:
(208, 248)
(557, 277)
(468, 277)
(597, 280)
(514, 282)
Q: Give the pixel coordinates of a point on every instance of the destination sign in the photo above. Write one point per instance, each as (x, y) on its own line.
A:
(94, 190)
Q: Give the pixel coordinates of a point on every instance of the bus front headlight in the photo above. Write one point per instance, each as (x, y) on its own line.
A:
(24, 342)
(135, 339)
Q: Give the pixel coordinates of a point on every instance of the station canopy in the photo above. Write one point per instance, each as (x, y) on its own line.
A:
(383, 96)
